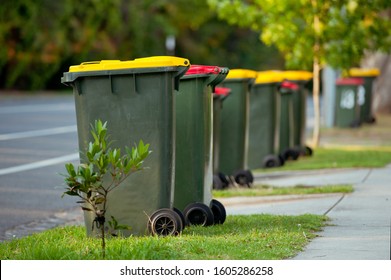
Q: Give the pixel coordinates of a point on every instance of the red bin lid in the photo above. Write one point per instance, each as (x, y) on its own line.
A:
(203, 69)
(222, 91)
(350, 81)
(289, 85)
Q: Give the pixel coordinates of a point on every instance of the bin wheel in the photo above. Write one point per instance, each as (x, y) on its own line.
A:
(304, 150)
(219, 183)
(282, 160)
(180, 214)
(355, 124)
(371, 119)
(290, 154)
(198, 214)
(165, 222)
(244, 177)
(223, 179)
(308, 151)
(218, 210)
(270, 161)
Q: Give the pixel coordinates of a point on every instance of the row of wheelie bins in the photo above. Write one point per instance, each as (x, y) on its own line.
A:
(205, 125)
(262, 123)
(354, 97)
(167, 103)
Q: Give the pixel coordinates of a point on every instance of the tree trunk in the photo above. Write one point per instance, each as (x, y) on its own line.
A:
(316, 87)
(316, 82)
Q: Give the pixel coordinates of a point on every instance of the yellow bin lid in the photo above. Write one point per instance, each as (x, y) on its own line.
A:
(272, 76)
(241, 74)
(298, 75)
(364, 72)
(147, 62)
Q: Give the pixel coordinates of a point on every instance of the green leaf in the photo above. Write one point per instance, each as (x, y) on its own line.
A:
(134, 153)
(99, 200)
(71, 193)
(70, 169)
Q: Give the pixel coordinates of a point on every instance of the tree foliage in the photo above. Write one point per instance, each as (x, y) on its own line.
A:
(40, 39)
(312, 33)
(345, 29)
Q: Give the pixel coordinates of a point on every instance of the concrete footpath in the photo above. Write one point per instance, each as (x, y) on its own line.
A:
(360, 222)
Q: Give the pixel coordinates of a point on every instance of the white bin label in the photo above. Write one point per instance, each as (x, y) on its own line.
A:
(347, 99)
(361, 95)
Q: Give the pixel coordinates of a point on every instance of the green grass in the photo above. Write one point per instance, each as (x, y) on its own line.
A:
(252, 237)
(265, 190)
(347, 157)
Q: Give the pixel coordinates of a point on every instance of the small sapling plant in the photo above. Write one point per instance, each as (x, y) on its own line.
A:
(103, 170)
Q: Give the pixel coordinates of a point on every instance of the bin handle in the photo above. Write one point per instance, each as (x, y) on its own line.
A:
(90, 62)
(135, 84)
(77, 85)
(177, 77)
(111, 85)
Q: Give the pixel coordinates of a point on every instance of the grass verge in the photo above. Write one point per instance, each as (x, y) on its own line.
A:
(253, 237)
(265, 190)
(342, 157)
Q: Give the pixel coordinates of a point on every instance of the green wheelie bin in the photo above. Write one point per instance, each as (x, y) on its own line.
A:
(348, 107)
(301, 78)
(263, 127)
(286, 121)
(234, 128)
(136, 99)
(194, 125)
(366, 94)
(219, 95)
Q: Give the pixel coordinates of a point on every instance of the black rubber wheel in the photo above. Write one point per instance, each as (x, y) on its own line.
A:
(180, 214)
(223, 179)
(371, 120)
(355, 124)
(271, 161)
(218, 210)
(244, 177)
(165, 222)
(291, 154)
(308, 151)
(301, 150)
(217, 183)
(282, 160)
(198, 214)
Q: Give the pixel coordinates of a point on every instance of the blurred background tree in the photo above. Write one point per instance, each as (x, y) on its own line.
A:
(40, 39)
(314, 33)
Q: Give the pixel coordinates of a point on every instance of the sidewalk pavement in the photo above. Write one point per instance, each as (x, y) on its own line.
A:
(360, 222)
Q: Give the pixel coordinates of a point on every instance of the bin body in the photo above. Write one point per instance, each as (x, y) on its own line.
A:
(219, 96)
(347, 113)
(137, 103)
(194, 123)
(263, 126)
(365, 94)
(286, 121)
(299, 99)
(234, 126)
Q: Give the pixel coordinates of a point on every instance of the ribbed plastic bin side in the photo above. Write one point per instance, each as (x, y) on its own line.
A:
(136, 98)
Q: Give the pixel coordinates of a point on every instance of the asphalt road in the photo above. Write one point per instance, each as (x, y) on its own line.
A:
(38, 135)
